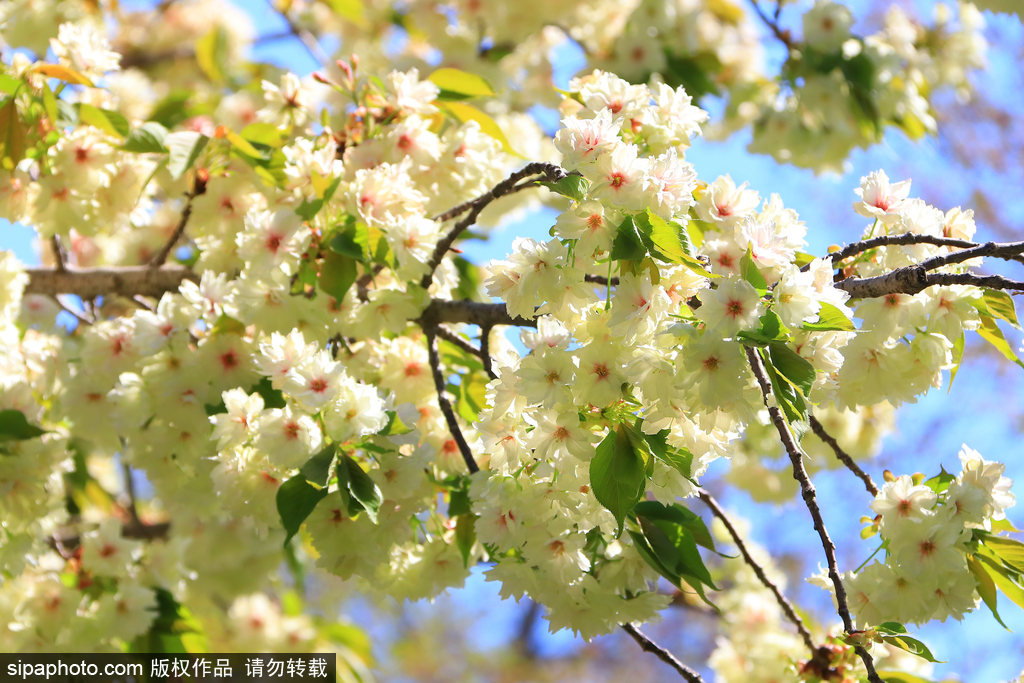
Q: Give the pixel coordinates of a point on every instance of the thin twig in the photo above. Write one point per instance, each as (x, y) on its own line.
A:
(648, 645)
(601, 280)
(844, 457)
(786, 606)
(67, 309)
(485, 351)
(161, 256)
(58, 253)
(457, 339)
(442, 399)
(129, 485)
(476, 206)
(308, 40)
(1009, 250)
(810, 497)
(781, 34)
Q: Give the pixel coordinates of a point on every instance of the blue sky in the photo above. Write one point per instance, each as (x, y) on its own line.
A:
(982, 409)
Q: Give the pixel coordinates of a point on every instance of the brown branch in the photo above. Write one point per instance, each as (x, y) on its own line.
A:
(58, 253)
(914, 279)
(476, 206)
(473, 313)
(648, 645)
(161, 256)
(810, 500)
(773, 24)
(430, 329)
(786, 606)
(67, 309)
(1010, 251)
(601, 280)
(843, 456)
(126, 281)
(485, 351)
(458, 340)
(308, 40)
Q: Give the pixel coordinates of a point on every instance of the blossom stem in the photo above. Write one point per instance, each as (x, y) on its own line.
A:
(648, 645)
(179, 230)
(810, 497)
(843, 456)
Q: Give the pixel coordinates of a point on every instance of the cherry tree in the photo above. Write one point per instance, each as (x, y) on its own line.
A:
(252, 299)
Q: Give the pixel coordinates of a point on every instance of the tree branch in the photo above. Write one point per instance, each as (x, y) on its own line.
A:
(430, 329)
(473, 313)
(786, 606)
(308, 40)
(58, 253)
(843, 456)
(648, 645)
(126, 281)
(914, 279)
(458, 340)
(1010, 250)
(810, 500)
(161, 256)
(476, 206)
(773, 24)
(485, 351)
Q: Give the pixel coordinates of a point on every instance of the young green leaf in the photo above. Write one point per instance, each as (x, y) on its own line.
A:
(679, 459)
(296, 500)
(991, 333)
(750, 273)
(461, 83)
(792, 365)
(106, 120)
(677, 514)
(463, 112)
(958, 356)
(353, 240)
(986, 587)
(770, 330)
(618, 473)
(830, 318)
(337, 275)
(572, 186)
(1008, 550)
(1000, 304)
(146, 139)
(362, 487)
(185, 148)
(465, 536)
(627, 245)
(15, 427)
(317, 469)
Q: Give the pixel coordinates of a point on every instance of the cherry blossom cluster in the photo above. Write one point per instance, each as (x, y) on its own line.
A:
(927, 531)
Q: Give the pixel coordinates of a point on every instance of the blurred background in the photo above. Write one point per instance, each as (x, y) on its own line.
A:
(977, 162)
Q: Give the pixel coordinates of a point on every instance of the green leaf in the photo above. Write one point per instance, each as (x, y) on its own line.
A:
(892, 628)
(986, 587)
(361, 487)
(459, 502)
(272, 398)
(793, 366)
(1000, 304)
(628, 246)
(901, 677)
(185, 148)
(263, 133)
(14, 427)
(10, 85)
(49, 103)
(469, 279)
(308, 210)
(242, 145)
(670, 242)
(770, 330)
(1003, 525)
(173, 109)
(750, 273)
(317, 469)
(1009, 550)
(572, 186)
(677, 514)
(802, 259)
(463, 112)
(958, 356)
(353, 240)
(465, 536)
(212, 52)
(146, 139)
(1000, 576)
(941, 481)
(12, 135)
(679, 459)
(352, 10)
(106, 120)
(461, 82)
(296, 500)
(337, 274)
(62, 73)
(913, 646)
(395, 426)
(675, 548)
(789, 398)
(991, 333)
(830, 318)
(472, 396)
(618, 473)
